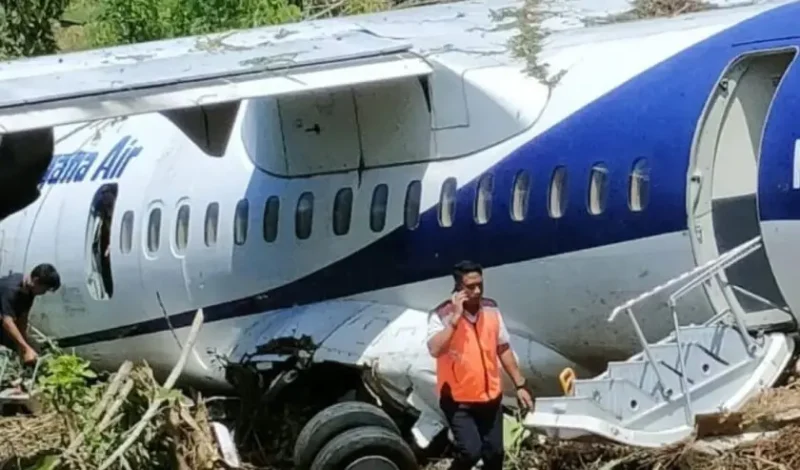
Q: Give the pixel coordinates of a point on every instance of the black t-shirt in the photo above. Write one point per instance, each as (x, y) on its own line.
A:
(13, 302)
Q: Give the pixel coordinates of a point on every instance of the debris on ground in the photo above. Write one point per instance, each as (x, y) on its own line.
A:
(84, 419)
(651, 9)
(68, 417)
(127, 420)
(764, 434)
(666, 8)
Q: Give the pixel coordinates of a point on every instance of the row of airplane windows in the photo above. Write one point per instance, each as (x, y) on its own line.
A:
(638, 194)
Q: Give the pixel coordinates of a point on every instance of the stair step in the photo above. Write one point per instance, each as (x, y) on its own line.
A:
(714, 368)
(700, 365)
(579, 406)
(620, 397)
(616, 409)
(721, 340)
(640, 373)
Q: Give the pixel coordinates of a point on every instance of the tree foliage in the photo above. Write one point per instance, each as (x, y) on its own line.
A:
(26, 26)
(132, 21)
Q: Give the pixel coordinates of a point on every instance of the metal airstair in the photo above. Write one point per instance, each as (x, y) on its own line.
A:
(652, 399)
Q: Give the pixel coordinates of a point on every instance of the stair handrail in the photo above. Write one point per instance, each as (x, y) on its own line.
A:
(749, 248)
(710, 265)
(709, 268)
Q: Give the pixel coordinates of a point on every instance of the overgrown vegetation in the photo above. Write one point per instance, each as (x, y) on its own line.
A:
(648, 9)
(26, 26)
(133, 21)
(83, 420)
(34, 27)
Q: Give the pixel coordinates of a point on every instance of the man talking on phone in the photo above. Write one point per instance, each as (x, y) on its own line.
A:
(469, 340)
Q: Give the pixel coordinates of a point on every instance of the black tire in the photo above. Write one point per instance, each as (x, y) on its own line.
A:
(361, 442)
(333, 421)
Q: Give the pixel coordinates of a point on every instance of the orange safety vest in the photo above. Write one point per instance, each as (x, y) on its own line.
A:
(470, 365)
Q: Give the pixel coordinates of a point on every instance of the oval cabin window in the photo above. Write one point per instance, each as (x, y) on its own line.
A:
(598, 189)
(377, 209)
(271, 211)
(342, 211)
(211, 224)
(412, 204)
(520, 195)
(639, 186)
(126, 232)
(154, 231)
(557, 198)
(447, 203)
(182, 228)
(483, 199)
(304, 216)
(241, 222)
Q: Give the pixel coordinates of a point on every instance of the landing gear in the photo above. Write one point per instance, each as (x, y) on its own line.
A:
(366, 448)
(352, 436)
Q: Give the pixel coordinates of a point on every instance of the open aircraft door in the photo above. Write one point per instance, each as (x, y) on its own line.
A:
(779, 186)
(739, 185)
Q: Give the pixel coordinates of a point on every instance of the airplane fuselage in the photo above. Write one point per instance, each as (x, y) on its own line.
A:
(575, 196)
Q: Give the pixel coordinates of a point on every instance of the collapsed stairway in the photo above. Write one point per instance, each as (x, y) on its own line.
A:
(652, 399)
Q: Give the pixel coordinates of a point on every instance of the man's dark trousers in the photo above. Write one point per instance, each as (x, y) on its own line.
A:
(478, 432)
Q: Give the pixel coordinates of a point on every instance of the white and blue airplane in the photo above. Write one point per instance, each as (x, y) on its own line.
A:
(310, 186)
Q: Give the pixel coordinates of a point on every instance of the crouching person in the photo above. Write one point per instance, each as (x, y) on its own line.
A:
(17, 292)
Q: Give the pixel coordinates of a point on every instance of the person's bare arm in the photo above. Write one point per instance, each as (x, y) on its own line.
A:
(22, 326)
(10, 327)
(509, 362)
(510, 365)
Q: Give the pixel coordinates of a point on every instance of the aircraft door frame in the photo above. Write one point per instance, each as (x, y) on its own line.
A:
(722, 206)
(779, 185)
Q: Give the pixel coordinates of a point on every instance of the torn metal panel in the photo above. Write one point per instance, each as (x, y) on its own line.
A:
(314, 322)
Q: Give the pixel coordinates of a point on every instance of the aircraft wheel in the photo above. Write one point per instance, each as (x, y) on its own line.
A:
(366, 448)
(333, 421)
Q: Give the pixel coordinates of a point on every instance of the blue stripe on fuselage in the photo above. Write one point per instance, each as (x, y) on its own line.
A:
(777, 198)
(654, 115)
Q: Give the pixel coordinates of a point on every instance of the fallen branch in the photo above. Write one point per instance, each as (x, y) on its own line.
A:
(168, 384)
(97, 411)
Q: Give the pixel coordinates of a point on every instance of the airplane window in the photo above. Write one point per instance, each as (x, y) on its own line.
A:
(639, 186)
(212, 222)
(598, 189)
(182, 228)
(126, 232)
(377, 210)
(154, 230)
(411, 206)
(447, 203)
(557, 200)
(342, 211)
(271, 210)
(304, 216)
(240, 222)
(483, 199)
(520, 195)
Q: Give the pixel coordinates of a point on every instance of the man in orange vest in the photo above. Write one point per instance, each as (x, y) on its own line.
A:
(469, 340)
